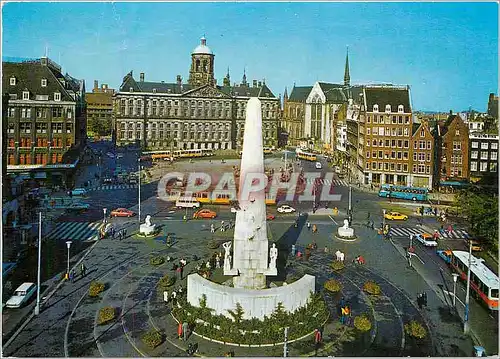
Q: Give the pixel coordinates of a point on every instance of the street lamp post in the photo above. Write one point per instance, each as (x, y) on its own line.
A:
(383, 220)
(467, 296)
(104, 219)
(455, 277)
(139, 214)
(285, 343)
(350, 206)
(37, 307)
(68, 244)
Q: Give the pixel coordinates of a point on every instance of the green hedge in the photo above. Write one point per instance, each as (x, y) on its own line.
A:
(254, 331)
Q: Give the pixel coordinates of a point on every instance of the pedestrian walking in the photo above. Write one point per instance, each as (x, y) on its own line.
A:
(212, 228)
(72, 276)
(174, 298)
(450, 229)
(315, 229)
(317, 340)
(83, 270)
(179, 330)
(113, 233)
(124, 233)
(166, 298)
(308, 225)
(185, 330)
(420, 301)
(179, 271)
(293, 250)
(343, 314)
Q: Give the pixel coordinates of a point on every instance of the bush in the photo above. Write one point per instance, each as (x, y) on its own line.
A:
(166, 281)
(362, 323)
(371, 288)
(213, 244)
(105, 315)
(337, 265)
(153, 338)
(156, 261)
(96, 288)
(415, 329)
(333, 285)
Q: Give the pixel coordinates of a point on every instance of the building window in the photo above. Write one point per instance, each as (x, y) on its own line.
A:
(493, 167)
(375, 108)
(374, 165)
(474, 154)
(484, 145)
(473, 166)
(387, 108)
(12, 81)
(405, 155)
(483, 166)
(26, 95)
(44, 82)
(457, 145)
(493, 156)
(57, 96)
(494, 146)
(475, 144)
(405, 168)
(401, 109)
(484, 155)
(428, 169)
(422, 133)
(428, 157)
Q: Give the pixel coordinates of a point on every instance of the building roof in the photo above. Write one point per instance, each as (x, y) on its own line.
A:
(29, 77)
(387, 95)
(99, 98)
(202, 48)
(175, 88)
(299, 93)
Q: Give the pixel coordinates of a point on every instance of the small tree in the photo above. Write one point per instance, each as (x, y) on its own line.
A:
(337, 265)
(95, 288)
(362, 323)
(237, 314)
(415, 330)
(372, 288)
(333, 285)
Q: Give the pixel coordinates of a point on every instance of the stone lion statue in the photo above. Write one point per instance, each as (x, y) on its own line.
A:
(346, 224)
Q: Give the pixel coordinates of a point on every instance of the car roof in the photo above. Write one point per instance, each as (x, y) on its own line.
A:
(25, 286)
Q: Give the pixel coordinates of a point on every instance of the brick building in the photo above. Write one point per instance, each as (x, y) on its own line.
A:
(196, 115)
(100, 106)
(453, 150)
(483, 157)
(294, 109)
(46, 123)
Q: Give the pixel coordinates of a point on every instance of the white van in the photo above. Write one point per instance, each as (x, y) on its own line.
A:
(21, 295)
(187, 202)
(79, 192)
(318, 165)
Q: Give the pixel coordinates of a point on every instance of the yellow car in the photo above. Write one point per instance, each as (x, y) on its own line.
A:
(396, 216)
(476, 246)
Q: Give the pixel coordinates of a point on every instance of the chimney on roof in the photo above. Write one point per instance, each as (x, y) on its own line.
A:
(96, 84)
(44, 61)
(141, 77)
(260, 84)
(179, 80)
(254, 83)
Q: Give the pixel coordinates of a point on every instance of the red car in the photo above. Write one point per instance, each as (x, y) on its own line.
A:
(205, 213)
(270, 217)
(122, 212)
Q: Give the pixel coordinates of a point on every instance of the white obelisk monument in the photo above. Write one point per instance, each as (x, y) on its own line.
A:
(250, 250)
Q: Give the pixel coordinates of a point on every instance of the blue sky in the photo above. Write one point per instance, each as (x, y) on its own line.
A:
(446, 52)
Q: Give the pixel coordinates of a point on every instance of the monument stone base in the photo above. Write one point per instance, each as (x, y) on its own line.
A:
(256, 303)
(345, 232)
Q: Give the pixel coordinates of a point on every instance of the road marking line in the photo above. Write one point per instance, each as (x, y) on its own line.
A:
(333, 220)
(451, 295)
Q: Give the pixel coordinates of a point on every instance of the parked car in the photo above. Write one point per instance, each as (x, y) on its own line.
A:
(285, 209)
(21, 295)
(270, 216)
(426, 239)
(122, 212)
(396, 216)
(79, 192)
(119, 155)
(132, 180)
(204, 213)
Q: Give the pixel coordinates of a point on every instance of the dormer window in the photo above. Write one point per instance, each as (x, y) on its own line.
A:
(154, 90)
(375, 108)
(13, 81)
(387, 108)
(26, 95)
(401, 109)
(57, 96)
(131, 89)
(44, 82)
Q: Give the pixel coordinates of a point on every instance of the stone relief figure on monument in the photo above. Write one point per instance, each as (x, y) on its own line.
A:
(346, 224)
(148, 220)
(227, 256)
(273, 255)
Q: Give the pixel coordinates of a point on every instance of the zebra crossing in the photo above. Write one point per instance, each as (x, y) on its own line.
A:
(112, 187)
(406, 231)
(75, 231)
(324, 181)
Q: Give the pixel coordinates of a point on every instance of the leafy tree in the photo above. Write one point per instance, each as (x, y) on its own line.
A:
(481, 210)
(237, 314)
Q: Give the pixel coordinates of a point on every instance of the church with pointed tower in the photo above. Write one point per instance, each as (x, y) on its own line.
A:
(199, 115)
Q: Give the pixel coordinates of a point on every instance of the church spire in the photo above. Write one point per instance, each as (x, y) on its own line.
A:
(227, 80)
(347, 77)
(244, 81)
(285, 95)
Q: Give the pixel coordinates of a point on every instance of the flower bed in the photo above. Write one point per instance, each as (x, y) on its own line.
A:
(333, 285)
(106, 314)
(156, 261)
(337, 265)
(254, 331)
(371, 287)
(95, 288)
(415, 329)
(165, 282)
(152, 339)
(362, 323)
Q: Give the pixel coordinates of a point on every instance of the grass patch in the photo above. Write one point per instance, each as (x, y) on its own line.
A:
(397, 208)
